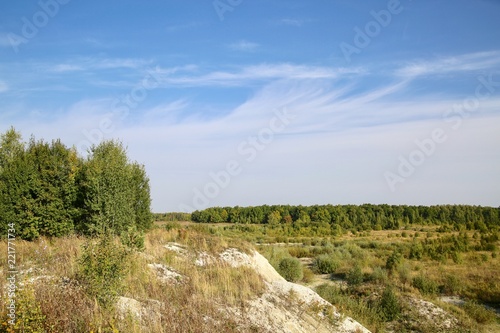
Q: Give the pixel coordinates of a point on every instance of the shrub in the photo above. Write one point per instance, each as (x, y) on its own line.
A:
(291, 269)
(394, 260)
(456, 257)
(172, 225)
(479, 313)
(425, 285)
(452, 285)
(379, 275)
(404, 273)
(355, 276)
(389, 305)
(102, 269)
(308, 275)
(133, 239)
(325, 264)
(299, 252)
(416, 250)
(29, 316)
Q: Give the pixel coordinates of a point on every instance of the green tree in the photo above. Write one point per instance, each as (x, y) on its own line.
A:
(55, 195)
(11, 146)
(114, 194)
(274, 217)
(142, 197)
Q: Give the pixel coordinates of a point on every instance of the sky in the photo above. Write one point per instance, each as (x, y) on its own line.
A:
(239, 102)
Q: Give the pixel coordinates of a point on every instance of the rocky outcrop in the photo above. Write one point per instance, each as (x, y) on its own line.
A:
(284, 307)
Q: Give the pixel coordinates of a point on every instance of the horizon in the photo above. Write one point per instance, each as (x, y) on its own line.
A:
(238, 103)
(331, 204)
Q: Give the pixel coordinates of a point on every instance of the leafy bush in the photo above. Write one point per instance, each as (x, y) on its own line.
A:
(29, 316)
(416, 250)
(379, 275)
(325, 264)
(299, 252)
(102, 269)
(425, 285)
(389, 304)
(133, 239)
(308, 275)
(452, 285)
(291, 269)
(394, 260)
(355, 276)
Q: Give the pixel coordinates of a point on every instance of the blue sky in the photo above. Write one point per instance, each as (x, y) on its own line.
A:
(239, 102)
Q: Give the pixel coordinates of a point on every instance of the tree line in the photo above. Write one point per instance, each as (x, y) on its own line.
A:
(47, 189)
(356, 217)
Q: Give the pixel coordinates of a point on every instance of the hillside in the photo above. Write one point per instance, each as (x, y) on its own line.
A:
(182, 281)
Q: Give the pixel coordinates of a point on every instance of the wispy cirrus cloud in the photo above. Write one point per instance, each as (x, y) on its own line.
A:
(249, 74)
(60, 68)
(244, 45)
(86, 64)
(459, 63)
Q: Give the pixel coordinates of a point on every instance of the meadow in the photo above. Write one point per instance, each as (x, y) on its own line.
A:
(383, 278)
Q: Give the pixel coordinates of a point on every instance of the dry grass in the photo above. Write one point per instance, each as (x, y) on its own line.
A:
(193, 305)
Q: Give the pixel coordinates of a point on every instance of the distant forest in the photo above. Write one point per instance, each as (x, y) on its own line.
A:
(335, 218)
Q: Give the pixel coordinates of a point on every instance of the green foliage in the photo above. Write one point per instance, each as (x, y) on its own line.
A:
(29, 316)
(141, 198)
(416, 250)
(274, 217)
(46, 189)
(389, 305)
(106, 190)
(379, 275)
(171, 217)
(330, 220)
(452, 285)
(102, 267)
(364, 312)
(425, 285)
(38, 191)
(133, 239)
(325, 264)
(394, 260)
(479, 313)
(291, 269)
(355, 276)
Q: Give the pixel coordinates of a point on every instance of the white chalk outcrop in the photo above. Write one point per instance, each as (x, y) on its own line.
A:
(286, 307)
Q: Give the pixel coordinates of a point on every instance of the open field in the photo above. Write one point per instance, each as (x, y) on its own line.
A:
(451, 269)
(418, 279)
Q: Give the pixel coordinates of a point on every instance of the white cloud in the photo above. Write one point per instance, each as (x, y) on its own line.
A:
(86, 64)
(249, 74)
(343, 138)
(244, 46)
(460, 63)
(66, 68)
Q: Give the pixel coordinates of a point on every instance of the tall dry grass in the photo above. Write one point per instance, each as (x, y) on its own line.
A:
(49, 270)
